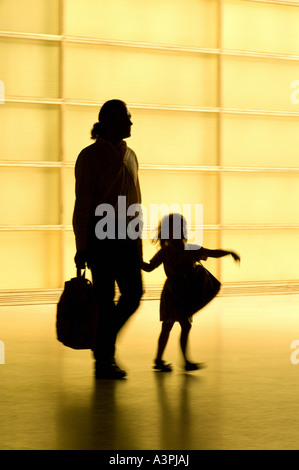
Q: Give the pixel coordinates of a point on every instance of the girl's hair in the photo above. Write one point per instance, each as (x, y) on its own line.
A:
(172, 227)
(109, 111)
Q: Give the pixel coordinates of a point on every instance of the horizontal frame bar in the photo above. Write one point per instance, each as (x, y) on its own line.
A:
(150, 46)
(277, 2)
(149, 228)
(153, 106)
(152, 167)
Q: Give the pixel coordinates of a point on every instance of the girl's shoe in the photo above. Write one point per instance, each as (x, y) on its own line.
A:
(162, 366)
(189, 366)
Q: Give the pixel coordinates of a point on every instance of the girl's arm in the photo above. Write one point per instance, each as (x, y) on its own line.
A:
(221, 253)
(147, 267)
(153, 264)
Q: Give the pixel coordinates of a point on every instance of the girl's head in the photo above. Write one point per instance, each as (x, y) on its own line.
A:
(172, 229)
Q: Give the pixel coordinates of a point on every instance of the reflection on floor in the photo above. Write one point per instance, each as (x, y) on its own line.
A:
(246, 398)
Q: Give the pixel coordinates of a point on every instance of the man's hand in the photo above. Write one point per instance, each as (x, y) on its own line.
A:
(81, 259)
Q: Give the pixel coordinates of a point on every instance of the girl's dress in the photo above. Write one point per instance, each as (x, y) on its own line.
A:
(183, 294)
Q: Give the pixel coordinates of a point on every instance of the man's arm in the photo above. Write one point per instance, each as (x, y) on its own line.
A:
(83, 207)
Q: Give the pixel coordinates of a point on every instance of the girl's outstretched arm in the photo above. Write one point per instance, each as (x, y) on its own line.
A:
(153, 264)
(221, 253)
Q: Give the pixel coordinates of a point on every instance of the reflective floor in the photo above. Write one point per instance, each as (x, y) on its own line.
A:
(246, 398)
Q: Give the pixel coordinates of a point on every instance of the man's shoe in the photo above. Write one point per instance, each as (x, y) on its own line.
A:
(112, 371)
(189, 366)
(162, 366)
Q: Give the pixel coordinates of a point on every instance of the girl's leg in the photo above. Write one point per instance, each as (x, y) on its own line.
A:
(162, 342)
(186, 327)
(163, 338)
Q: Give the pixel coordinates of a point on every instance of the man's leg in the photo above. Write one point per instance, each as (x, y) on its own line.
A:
(102, 267)
(104, 288)
(129, 280)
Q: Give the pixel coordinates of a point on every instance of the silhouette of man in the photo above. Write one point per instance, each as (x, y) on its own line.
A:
(104, 172)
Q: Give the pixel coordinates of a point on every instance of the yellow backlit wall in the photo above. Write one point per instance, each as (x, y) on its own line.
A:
(209, 87)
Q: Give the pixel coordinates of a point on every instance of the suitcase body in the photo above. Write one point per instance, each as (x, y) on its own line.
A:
(76, 318)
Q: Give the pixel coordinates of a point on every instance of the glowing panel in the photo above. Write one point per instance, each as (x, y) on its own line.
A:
(31, 260)
(192, 22)
(36, 16)
(29, 196)
(265, 255)
(174, 137)
(258, 84)
(144, 76)
(260, 141)
(260, 198)
(260, 27)
(36, 126)
(33, 70)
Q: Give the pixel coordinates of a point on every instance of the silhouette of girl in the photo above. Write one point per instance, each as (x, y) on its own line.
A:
(183, 293)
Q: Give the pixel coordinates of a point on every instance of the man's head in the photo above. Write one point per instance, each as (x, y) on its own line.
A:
(114, 122)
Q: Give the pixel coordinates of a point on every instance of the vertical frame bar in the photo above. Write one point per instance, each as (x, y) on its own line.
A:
(220, 131)
(62, 141)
